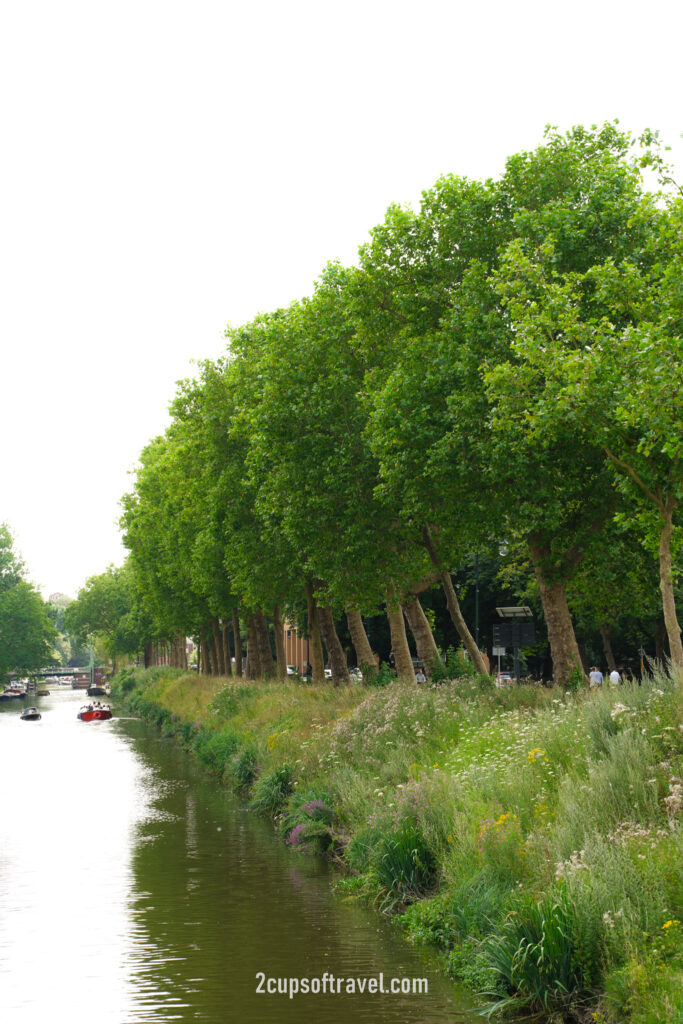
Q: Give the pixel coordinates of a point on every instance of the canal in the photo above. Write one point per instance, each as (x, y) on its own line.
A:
(133, 890)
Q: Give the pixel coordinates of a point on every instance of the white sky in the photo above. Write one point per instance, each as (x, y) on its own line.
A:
(169, 167)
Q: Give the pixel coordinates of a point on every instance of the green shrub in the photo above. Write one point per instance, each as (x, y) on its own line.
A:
(242, 767)
(272, 790)
(215, 749)
(453, 667)
(536, 956)
(645, 991)
(309, 824)
(403, 865)
(382, 677)
(431, 921)
(125, 681)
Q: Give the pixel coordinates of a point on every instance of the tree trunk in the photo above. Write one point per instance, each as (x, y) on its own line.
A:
(335, 651)
(279, 643)
(606, 634)
(454, 608)
(213, 646)
(254, 670)
(178, 651)
(217, 647)
(225, 637)
(563, 646)
(237, 642)
(660, 638)
(315, 642)
(422, 632)
(399, 641)
(148, 654)
(359, 638)
(263, 641)
(673, 630)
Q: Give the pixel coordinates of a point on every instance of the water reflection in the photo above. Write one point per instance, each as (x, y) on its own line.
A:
(137, 892)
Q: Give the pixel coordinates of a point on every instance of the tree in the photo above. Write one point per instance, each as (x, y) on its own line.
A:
(27, 634)
(107, 608)
(601, 351)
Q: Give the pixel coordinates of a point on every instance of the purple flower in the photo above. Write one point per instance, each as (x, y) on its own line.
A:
(312, 806)
(295, 837)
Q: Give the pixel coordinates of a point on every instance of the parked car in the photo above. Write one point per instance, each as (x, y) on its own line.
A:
(504, 679)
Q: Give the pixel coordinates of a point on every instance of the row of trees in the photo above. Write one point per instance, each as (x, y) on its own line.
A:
(500, 370)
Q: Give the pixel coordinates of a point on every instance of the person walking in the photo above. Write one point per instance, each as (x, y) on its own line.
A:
(595, 678)
(614, 677)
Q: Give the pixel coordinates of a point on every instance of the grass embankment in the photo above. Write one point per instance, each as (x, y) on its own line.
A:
(534, 837)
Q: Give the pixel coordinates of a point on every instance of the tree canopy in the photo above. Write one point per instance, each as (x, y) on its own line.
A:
(499, 372)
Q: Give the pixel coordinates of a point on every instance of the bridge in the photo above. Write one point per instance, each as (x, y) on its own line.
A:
(60, 672)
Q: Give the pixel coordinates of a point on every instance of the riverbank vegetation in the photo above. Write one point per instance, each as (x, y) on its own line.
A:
(533, 835)
(490, 392)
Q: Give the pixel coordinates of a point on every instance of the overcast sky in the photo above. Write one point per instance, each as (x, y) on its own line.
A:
(171, 167)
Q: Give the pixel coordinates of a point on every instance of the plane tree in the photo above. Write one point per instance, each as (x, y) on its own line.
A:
(313, 472)
(601, 351)
(419, 272)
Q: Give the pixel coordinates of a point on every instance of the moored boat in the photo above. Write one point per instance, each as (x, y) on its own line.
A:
(94, 712)
(30, 715)
(14, 692)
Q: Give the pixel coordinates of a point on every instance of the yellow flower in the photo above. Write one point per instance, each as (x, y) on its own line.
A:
(670, 924)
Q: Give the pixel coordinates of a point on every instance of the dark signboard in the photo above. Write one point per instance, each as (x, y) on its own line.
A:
(514, 634)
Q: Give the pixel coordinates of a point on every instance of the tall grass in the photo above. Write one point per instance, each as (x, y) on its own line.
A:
(533, 836)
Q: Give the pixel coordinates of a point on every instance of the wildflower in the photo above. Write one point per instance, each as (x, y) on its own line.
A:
(295, 837)
(575, 863)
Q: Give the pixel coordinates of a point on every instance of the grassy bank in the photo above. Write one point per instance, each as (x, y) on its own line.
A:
(534, 837)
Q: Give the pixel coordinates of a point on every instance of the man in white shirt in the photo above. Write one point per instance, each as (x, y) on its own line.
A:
(614, 677)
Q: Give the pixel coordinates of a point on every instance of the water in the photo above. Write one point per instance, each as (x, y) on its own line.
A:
(134, 891)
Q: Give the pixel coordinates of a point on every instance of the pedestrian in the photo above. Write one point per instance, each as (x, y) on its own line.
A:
(420, 677)
(614, 677)
(595, 678)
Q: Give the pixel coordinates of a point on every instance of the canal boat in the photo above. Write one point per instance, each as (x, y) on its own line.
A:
(94, 712)
(14, 692)
(97, 691)
(30, 715)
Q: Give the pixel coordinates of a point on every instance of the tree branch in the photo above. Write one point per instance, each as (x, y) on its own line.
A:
(636, 479)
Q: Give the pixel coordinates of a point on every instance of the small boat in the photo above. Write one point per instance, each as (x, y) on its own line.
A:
(94, 712)
(42, 693)
(30, 715)
(97, 691)
(13, 693)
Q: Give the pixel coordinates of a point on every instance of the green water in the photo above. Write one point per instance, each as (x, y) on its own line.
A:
(132, 890)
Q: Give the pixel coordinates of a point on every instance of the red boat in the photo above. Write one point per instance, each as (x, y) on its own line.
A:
(94, 712)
